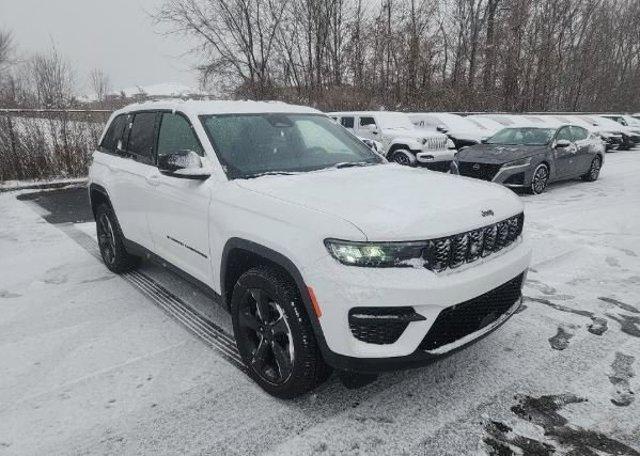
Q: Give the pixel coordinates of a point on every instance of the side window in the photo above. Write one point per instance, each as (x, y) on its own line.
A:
(564, 133)
(114, 134)
(142, 135)
(579, 133)
(364, 121)
(176, 134)
(347, 122)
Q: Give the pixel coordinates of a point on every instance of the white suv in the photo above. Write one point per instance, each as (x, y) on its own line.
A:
(325, 254)
(401, 141)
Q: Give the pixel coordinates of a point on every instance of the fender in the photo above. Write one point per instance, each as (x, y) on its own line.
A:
(287, 265)
(100, 189)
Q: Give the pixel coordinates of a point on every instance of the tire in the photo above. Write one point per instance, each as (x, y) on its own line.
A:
(276, 343)
(401, 157)
(594, 170)
(111, 241)
(539, 180)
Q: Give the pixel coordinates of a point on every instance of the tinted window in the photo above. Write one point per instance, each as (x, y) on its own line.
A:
(347, 122)
(142, 134)
(530, 136)
(176, 134)
(579, 133)
(114, 133)
(367, 121)
(564, 134)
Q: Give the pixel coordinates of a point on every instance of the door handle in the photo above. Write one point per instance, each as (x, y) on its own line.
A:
(153, 180)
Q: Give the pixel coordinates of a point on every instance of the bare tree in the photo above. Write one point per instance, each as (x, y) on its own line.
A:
(52, 79)
(100, 84)
(6, 48)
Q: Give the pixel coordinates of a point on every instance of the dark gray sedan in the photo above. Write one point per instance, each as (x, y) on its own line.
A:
(532, 157)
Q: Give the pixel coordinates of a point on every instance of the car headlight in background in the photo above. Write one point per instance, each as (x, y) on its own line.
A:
(377, 254)
(519, 162)
(450, 144)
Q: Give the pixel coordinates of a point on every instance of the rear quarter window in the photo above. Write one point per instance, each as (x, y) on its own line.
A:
(114, 134)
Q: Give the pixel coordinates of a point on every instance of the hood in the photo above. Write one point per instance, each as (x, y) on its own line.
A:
(494, 153)
(469, 134)
(391, 202)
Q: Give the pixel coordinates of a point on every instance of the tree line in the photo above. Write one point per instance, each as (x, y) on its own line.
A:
(459, 55)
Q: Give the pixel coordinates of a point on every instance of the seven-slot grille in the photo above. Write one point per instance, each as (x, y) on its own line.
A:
(458, 321)
(454, 251)
(435, 143)
(484, 171)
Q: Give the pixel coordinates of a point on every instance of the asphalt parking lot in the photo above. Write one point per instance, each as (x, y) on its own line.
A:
(94, 363)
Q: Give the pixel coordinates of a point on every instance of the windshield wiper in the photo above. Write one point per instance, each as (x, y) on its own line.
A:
(351, 164)
(267, 173)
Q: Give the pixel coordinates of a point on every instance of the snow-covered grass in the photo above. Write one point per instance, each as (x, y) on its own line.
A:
(91, 366)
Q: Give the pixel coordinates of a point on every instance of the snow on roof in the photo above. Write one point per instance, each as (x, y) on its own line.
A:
(203, 107)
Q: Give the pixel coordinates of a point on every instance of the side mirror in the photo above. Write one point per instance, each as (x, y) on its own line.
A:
(370, 127)
(562, 143)
(484, 140)
(185, 164)
(442, 128)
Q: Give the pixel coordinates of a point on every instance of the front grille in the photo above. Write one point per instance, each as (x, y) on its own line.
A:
(381, 325)
(484, 171)
(442, 166)
(458, 321)
(435, 143)
(454, 251)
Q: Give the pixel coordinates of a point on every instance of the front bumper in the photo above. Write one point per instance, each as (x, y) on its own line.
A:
(509, 176)
(340, 288)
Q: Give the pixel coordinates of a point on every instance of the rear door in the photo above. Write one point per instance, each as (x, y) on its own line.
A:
(130, 195)
(585, 148)
(178, 209)
(565, 157)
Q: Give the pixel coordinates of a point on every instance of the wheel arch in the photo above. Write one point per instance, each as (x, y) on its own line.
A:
(98, 195)
(249, 254)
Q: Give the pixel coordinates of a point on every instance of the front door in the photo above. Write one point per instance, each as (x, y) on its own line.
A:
(565, 157)
(178, 213)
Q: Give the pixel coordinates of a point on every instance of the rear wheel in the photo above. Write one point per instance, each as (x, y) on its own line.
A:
(539, 180)
(594, 170)
(111, 241)
(274, 335)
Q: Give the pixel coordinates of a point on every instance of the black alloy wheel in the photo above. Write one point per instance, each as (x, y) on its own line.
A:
(401, 158)
(540, 179)
(266, 331)
(274, 334)
(106, 239)
(111, 241)
(594, 170)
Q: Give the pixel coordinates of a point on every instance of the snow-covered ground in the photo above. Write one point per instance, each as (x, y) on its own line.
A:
(90, 365)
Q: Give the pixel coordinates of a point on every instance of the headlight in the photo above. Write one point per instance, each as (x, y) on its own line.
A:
(450, 144)
(424, 141)
(519, 162)
(377, 254)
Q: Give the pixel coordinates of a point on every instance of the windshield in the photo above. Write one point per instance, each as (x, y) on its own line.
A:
(522, 136)
(252, 144)
(394, 120)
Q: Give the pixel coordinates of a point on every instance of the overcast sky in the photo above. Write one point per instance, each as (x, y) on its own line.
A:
(116, 36)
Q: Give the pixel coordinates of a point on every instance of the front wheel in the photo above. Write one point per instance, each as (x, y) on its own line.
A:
(539, 180)
(594, 170)
(274, 335)
(402, 157)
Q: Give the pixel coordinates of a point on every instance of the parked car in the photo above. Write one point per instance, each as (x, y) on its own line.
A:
(630, 122)
(325, 254)
(532, 157)
(461, 131)
(402, 142)
(629, 137)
